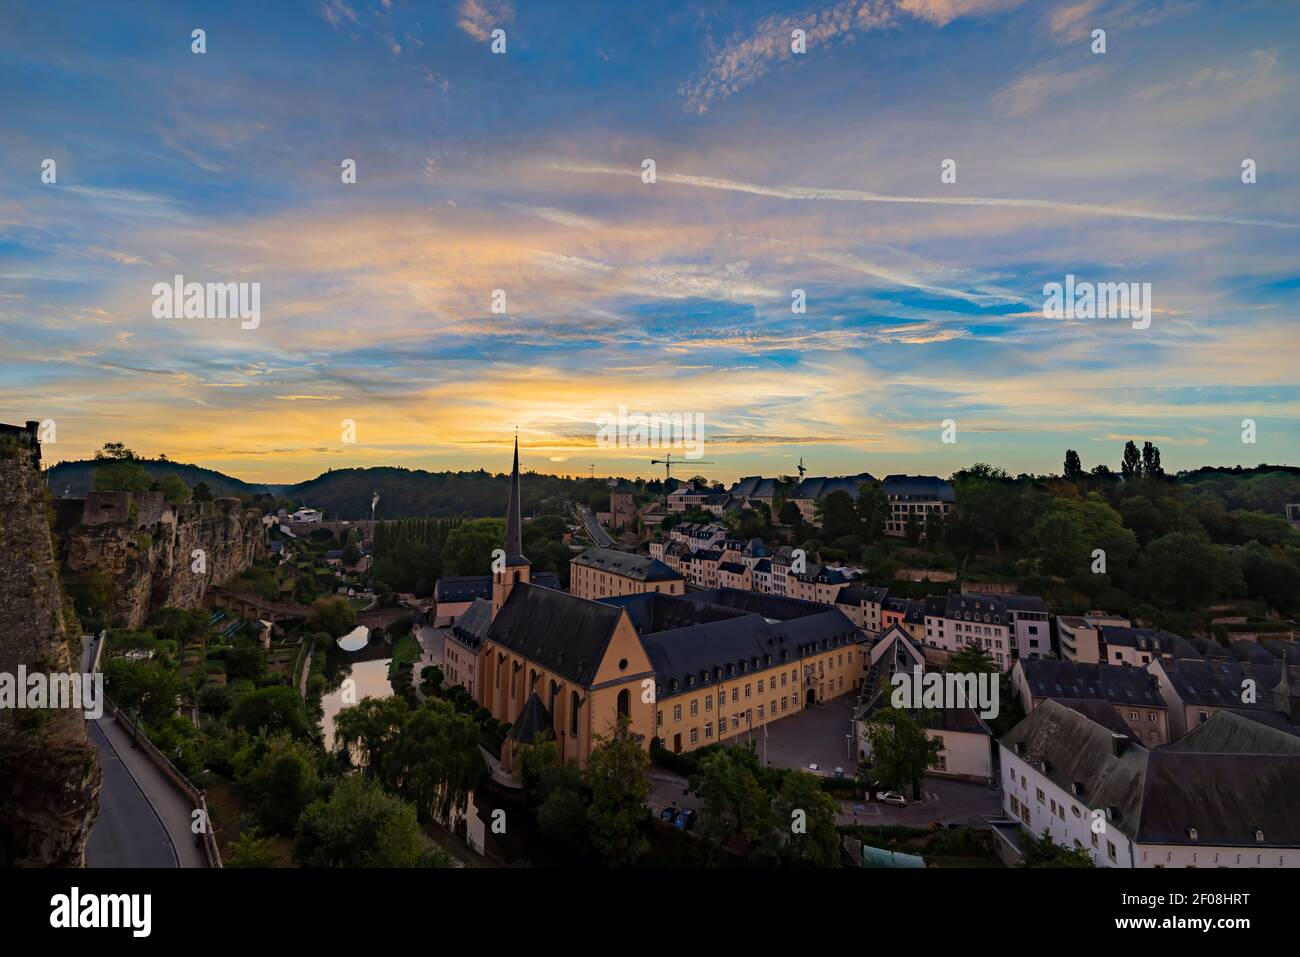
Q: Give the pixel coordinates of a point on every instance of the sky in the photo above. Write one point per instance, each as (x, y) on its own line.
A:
(775, 171)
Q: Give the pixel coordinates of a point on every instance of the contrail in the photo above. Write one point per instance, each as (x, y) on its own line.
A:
(862, 196)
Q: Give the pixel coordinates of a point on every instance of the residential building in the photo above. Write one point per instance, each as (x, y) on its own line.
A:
(1137, 647)
(863, 604)
(1133, 692)
(809, 490)
(602, 572)
(1080, 637)
(1195, 689)
(1031, 635)
(1090, 788)
(916, 497)
(757, 489)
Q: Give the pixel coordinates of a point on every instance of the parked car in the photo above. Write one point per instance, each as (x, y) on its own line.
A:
(892, 798)
(686, 819)
(668, 815)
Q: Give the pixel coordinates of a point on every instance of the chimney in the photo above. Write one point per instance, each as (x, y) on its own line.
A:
(1118, 742)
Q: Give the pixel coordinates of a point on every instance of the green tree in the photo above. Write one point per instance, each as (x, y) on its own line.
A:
(1151, 461)
(971, 659)
(250, 851)
(733, 802)
(1073, 467)
(202, 493)
(805, 815)
(616, 775)
(121, 475)
(901, 751)
(173, 488)
(873, 509)
(1044, 852)
(469, 547)
(283, 783)
(369, 732)
(331, 614)
(1130, 467)
(276, 708)
(360, 825)
(439, 758)
(143, 687)
(1189, 572)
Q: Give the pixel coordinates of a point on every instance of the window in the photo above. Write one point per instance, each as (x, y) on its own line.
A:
(708, 702)
(1110, 851)
(1040, 795)
(747, 687)
(677, 716)
(624, 703)
(695, 707)
(695, 735)
(708, 729)
(735, 695)
(659, 718)
(573, 713)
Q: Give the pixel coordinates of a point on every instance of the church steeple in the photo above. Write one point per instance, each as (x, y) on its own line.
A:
(515, 567)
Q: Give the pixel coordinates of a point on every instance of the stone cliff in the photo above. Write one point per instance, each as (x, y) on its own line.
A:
(155, 553)
(49, 773)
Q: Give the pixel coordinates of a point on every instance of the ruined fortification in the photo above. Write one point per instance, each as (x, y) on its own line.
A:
(49, 774)
(148, 547)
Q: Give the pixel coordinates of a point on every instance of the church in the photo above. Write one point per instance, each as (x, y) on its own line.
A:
(689, 670)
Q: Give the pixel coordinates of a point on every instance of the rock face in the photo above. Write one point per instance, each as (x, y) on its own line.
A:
(155, 553)
(49, 773)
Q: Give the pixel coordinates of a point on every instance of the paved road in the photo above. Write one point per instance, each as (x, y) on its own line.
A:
(142, 813)
(598, 534)
(128, 832)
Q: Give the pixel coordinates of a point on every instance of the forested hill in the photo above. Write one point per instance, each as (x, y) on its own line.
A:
(75, 479)
(403, 493)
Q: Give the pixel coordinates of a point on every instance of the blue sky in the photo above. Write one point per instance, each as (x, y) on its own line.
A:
(775, 171)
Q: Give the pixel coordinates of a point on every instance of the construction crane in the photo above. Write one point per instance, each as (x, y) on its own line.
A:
(801, 468)
(668, 464)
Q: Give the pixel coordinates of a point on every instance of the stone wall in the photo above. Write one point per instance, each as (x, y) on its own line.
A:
(49, 774)
(147, 547)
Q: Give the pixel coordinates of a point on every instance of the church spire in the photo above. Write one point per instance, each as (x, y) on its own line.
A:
(514, 525)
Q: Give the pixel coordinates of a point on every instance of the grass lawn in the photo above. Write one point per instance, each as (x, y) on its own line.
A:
(407, 649)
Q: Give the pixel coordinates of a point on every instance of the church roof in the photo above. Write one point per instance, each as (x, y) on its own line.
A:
(514, 524)
(533, 722)
(561, 632)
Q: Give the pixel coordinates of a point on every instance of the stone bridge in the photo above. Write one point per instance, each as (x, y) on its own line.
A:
(248, 605)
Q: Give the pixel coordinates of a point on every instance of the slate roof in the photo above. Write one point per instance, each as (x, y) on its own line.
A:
(1078, 749)
(957, 606)
(1155, 640)
(1241, 732)
(1225, 797)
(1249, 651)
(755, 486)
(1160, 795)
(1025, 603)
(734, 568)
(857, 594)
(918, 488)
(1120, 684)
(472, 627)
(1102, 712)
(534, 721)
(814, 488)
(637, 567)
(763, 566)
(1219, 683)
(459, 588)
(561, 632)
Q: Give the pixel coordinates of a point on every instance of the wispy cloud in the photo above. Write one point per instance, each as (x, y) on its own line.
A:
(479, 18)
(863, 196)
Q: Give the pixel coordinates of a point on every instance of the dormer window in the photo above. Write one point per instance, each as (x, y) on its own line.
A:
(1259, 836)
(1192, 835)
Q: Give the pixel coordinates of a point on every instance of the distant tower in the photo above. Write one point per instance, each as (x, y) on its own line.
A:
(374, 500)
(517, 567)
(801, 468)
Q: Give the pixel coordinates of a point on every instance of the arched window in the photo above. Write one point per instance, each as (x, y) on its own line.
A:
(573, 714)
(550, 705)
(625, 703)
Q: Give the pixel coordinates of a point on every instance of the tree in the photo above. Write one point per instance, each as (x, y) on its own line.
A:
(901, 751)
(369, 732)
(202, 493)
(143, 687)
(469, 547)
(733, 802)
(438, 758)
(1189, 572)
(1151, 461)
(250, 850)
(114, 452)
(360, 825)
(173, 488)
(283, 783)
(836, 515)
(873, 511)
(1044, 852)
(805, 814)
(121, 475)
(1130, 468)
(1271, 576)
(790, 515)
(276, 708)
(1073, 467)
(331, 614)
(971, 659)
(616, 775)
(912, 529)
(1056, 539)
